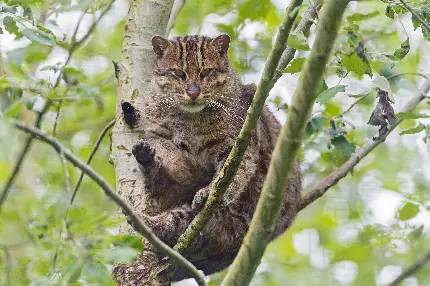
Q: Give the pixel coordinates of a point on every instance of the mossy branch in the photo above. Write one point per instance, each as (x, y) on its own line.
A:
(143, 229)
(269, 206)
(332, 179)
(229, 170)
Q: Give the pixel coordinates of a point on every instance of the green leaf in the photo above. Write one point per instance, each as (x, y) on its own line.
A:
(394, 9)
(343, 144)
(39, 37)
(295, 66)
(50, 68)
(356, 64)
(408, 211)
(95, 273)
(424, 13)
(324, 96)
(14, 109)
(360, 17)
(27, 13)
(29, 102)
(400, 53)
(414, 130)
(74, 76)
(122, 254)
(130, 240)
(411, 115)
(298, 42)
(426, 138)
(314, 125)
(416, 233)
(73, 272)
(10, 26)
(389, 12)
(335, 132)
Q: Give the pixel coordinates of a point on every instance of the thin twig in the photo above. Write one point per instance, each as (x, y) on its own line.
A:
(39, 118)
(90, 158)
(407, 73)
(7, 264)
(354, 104)
(366, 95)
(110, 192)
(411, 270)
(226, 175)
(57, 118)
(78, 184)
(177, 7)
(289, 141)
(424, 23)
(66, 173)
(72, 42)
(320, 189)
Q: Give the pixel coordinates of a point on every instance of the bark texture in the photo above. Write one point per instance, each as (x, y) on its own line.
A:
(144, 20)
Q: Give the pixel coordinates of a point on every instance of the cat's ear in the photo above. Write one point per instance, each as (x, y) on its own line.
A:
(221, 43)
(160, 44)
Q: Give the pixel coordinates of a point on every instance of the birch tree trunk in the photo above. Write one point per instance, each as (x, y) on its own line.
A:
(145, 19)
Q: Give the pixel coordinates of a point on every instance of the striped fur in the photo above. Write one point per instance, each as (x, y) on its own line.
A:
(188, 148)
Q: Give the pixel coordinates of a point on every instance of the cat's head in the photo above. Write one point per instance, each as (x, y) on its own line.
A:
(192, 72)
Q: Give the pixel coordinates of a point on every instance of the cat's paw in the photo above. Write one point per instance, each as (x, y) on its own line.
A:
(200, 199)
(144, 154)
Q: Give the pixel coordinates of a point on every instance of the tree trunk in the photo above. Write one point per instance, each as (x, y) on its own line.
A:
(144, 20)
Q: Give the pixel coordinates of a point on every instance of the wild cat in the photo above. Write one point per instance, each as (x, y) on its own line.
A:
(195, 111)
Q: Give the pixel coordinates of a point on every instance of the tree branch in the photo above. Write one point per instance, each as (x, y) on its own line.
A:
(78, 184)
(355, 158)
(177, 7)
(303, 27)
(234, 159)
(424, 23)
(411, 270)
(48, 104)
(127, 209)
(283, 157)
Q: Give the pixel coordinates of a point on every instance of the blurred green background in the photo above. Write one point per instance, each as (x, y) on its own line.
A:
(364, 231)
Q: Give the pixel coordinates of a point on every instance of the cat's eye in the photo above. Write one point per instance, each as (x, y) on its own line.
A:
(206, 73)
(179, 74)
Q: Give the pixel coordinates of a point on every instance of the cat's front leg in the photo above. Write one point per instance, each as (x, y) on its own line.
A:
(169, 225)
(144, 155)
(159, 158)
(200, 199)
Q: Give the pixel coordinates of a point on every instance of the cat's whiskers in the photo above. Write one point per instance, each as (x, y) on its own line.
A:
(212, 105)
(232, 106)
(221, 95)
(237, 103)
(228, 111)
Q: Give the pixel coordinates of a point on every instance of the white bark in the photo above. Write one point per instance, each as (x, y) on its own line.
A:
(145, 19)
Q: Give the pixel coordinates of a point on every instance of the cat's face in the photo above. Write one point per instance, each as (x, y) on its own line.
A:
(192, 72)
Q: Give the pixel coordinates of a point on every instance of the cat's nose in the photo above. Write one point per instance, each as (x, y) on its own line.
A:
(193, 91)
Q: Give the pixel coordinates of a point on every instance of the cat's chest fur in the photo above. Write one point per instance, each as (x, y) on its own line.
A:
(203, 136)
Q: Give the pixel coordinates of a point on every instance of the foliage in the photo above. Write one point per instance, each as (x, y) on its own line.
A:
(371, 222)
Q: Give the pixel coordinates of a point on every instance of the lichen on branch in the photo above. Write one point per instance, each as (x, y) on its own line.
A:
(268, 209)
